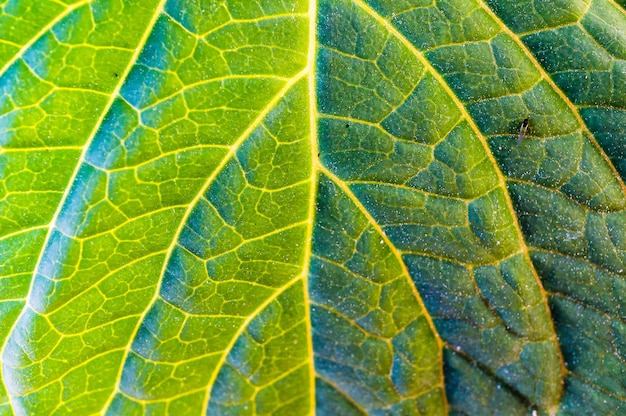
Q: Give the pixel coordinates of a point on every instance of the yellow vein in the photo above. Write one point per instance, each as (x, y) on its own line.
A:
(617, 6)
(313, 117)
(346, 189)
(93, 133)
(231, 153)
(392, 29)
(22, 231)
(42, 32)
(556, 89)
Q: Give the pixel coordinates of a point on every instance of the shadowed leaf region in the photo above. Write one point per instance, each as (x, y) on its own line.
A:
(229, 207)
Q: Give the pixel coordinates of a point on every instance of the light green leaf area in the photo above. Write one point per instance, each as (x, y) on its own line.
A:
(238, 207)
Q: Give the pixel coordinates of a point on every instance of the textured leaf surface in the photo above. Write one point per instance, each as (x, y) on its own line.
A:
(283, 207)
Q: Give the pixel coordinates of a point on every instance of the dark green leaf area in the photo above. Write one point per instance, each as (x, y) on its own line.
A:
(438, 197)
(366, 318)
(579, 397)
(566, 164)
(472, 389)
(575, 231)
(593, 346)
(485, 315)
(584, 54)
(607, 125)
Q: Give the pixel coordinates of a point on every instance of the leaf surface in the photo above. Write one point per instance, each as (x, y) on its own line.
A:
(284, 207)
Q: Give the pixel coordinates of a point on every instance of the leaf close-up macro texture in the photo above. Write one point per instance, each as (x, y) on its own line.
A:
(324, 207)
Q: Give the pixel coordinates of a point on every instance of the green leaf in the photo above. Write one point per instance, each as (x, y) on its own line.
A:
(290, 207)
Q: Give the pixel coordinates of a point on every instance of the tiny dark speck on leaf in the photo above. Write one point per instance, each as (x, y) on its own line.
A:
(115, 74)
(347, 125)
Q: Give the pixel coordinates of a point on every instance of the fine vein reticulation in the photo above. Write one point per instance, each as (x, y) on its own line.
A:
(292, 207)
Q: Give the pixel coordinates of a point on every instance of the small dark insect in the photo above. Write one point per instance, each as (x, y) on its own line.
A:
(522, 131)
(115, 74)
(347, 125)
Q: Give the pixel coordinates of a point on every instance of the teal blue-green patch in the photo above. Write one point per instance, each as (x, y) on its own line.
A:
(471, 389)
(595, 184)
(158, 53)
(187, 285)
(329, 400)
(53, 264)
(528, 15)
(365, 74)
(198, 17)
(579, 397)
(606, 125)
(347, 29)
(583, 54)
(582, 281)
(550, 220)
(480, 231)
(77, 53)
(357, 362)
(515, 344)
(112, 146)
(592, 343)
(429, 25)
(146, 86)
(426, 116)
(509, 289)
(607, 244)
(15, 16)
(206, 234)
(33, 89)
(87, 199)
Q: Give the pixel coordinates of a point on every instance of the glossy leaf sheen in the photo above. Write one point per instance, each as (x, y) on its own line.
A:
(282, 207)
